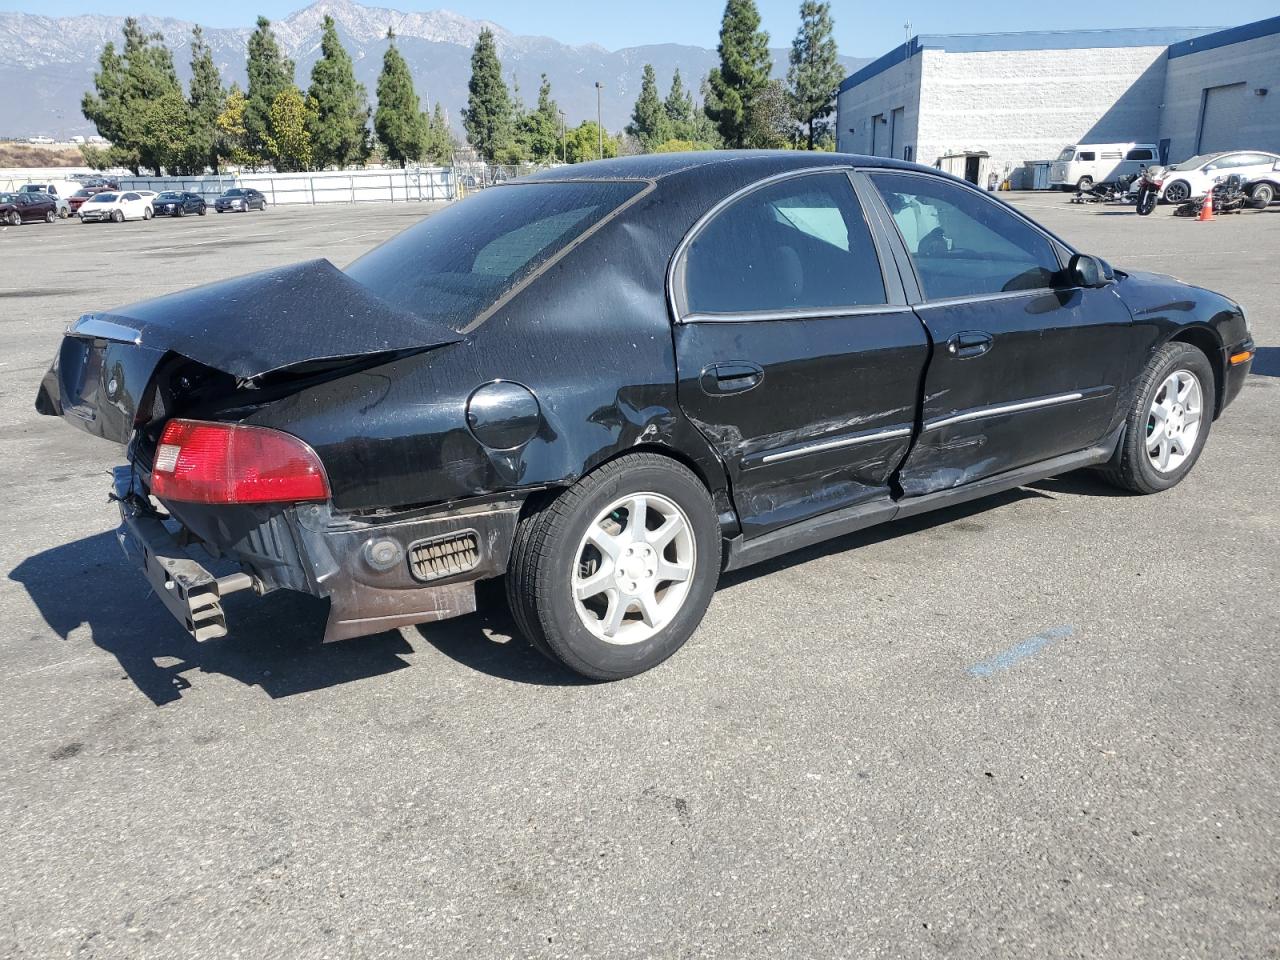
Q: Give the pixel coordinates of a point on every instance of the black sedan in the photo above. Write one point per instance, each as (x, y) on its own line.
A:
(172, 203)
(240, 198)
(20, 208)
(611, 383)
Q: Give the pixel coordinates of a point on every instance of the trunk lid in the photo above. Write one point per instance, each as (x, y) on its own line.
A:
(247, 327)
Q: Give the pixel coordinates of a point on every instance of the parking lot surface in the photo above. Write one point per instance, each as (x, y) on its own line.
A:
(1040, 725)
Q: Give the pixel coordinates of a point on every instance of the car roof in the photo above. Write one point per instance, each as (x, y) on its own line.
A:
(657, 166)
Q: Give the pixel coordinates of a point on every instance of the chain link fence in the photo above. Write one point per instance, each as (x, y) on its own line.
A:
(336, 186)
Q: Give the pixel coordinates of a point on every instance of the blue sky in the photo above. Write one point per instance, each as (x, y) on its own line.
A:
(862, 28)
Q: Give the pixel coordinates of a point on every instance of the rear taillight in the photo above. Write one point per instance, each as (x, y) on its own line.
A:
(199, 462)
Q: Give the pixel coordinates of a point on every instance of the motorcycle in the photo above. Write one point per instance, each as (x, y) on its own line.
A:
(1150, 180)
(1116, 191)
(1228, 196)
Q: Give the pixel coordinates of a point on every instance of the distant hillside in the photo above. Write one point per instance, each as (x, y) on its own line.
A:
(49, 62)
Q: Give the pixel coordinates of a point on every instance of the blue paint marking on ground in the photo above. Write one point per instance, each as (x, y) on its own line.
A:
(1019, 652)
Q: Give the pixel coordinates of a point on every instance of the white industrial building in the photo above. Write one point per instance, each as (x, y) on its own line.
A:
(973, 102)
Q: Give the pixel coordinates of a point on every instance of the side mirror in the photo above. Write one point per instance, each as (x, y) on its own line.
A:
(1087, 271)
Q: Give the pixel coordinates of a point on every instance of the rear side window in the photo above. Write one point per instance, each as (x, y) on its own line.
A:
(963, 244)
(797, 245)
(1140, 155)
(457, 263)
(1087, 155)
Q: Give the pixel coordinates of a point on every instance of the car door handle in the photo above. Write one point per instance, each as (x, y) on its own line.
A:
(972, 343)
(734, 377)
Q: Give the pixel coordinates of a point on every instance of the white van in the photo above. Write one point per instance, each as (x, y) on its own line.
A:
(1082, 165)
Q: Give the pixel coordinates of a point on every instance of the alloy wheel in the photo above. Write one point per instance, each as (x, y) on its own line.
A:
(1177, 192)
(633, 568)
(1173, 422)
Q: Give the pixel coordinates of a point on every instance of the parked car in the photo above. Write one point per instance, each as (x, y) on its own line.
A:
(609, 383)
(1264, 188)
(240, 198)
(1080, 166)
(116, 207)
(178, 204)
(1195, 177)
(55, 188)
(77, 199)
(27, 207)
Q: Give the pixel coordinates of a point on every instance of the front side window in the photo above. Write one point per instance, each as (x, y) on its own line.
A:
(962, 243)
(797, 245)
(456, 264)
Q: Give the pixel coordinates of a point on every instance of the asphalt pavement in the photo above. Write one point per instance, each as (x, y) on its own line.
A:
(1040, 725)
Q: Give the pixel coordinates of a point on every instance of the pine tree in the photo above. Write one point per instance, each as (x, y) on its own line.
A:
(815, 73)
(679, 107)
(487, 117)
(270, 74)
(339, 116)
(648, 118)
(398, 120)
(288, 142)
(540, 129)
(743, 72)
(105, 106)
(207, 99)
(440, 142)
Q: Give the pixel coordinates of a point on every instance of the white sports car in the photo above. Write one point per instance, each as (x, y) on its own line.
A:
(1195, 177)
(118, 206)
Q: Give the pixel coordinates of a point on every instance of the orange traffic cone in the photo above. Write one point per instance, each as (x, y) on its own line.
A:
(1206, 208)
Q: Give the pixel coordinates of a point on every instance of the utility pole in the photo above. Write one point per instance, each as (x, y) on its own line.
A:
(599, 120)
(564, 138)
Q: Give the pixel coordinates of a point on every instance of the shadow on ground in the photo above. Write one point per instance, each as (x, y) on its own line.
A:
(1266, 362)
(275, 640)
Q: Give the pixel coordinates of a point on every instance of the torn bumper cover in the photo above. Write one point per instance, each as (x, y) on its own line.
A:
(378, 574)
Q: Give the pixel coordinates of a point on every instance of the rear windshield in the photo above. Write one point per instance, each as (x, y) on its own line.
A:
(454, 265)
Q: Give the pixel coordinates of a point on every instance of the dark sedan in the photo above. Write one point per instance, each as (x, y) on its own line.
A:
(174, 204)
(240, 198)
(18, 208)
(612, 382)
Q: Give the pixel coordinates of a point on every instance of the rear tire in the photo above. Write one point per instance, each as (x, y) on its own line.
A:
(1135, 466)
(203, 210)
(1178, 192)
(554, 560)
(1262, 195)
(51, 216)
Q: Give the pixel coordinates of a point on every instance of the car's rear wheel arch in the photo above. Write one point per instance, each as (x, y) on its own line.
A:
(1206, 341)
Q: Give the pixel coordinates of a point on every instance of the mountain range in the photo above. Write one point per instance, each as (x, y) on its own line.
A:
(49, 62)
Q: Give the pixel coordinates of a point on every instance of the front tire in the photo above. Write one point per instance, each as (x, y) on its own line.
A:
(614, 575)
(1168, 421)
(1147, 200)
(1084, 184)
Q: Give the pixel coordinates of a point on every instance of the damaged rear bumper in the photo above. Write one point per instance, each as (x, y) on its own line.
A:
(378, 573)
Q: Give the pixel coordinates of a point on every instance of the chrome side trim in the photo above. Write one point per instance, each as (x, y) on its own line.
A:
(984, 412)
(821, 314)
(835, 444)
(99, 329)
